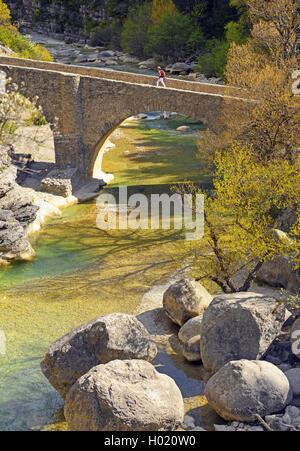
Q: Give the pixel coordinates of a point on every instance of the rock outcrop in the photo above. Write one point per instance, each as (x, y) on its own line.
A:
(239, 326)
(184, 300)
(124, 396)
(242, 389)
(111, 337)
(295, 338)
(17, 212)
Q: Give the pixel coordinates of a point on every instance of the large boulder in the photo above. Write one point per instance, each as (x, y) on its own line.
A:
(184, 300)
(189, 337)
(239, 326)
(60, 182)
(178, 68)
(107, 54)
(148, 64)
(111, 337)
(280, 272)
(242, 389)
(295, 338)
(124, 396)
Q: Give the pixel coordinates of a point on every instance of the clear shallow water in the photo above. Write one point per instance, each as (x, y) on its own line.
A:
(80, 273)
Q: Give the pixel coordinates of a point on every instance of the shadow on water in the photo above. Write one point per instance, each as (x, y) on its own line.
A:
(81, 273)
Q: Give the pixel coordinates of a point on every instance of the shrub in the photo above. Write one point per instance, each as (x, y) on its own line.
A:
(213, 63)
(175, 37)
(134, 36)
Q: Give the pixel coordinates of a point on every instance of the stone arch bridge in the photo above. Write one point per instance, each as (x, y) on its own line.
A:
(90, 103)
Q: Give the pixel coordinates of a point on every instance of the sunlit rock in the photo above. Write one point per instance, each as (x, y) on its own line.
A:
(184, 300)
(111, 337)
(242, 389)
(239, 326)
(124, 396)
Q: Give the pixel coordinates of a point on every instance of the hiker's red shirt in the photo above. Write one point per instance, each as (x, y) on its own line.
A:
(162, 74)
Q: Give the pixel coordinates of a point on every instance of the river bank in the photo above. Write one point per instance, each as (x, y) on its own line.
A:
(82, 54)
(80, 273)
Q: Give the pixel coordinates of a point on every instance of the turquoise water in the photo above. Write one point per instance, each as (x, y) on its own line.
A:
(80, 273)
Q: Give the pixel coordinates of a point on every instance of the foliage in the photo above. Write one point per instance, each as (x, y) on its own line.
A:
(20, 45)
(5, 17)
(174, 37)
(256, 153)
(136, 29)
(16, 111)
(106, 33)
(161, 8)
(206, 30)
(214, 62)
(241, 217)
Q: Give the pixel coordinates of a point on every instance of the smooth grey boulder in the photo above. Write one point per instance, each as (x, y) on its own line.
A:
(124, 396)
(189, 337)
(242, 389)
(239, 326)
(280, 272)
(111, 337)
(184, 300)
(183, 129)
(177, 68)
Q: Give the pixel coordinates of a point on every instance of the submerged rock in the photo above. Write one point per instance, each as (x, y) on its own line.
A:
(124, 396)
(239, 326)
(111, 337)
(242, 389)
(184, 300)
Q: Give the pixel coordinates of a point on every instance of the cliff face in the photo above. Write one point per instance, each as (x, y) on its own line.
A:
(70, 17)
(16, 213)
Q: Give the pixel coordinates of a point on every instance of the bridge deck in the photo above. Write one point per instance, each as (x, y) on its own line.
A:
(220, 90)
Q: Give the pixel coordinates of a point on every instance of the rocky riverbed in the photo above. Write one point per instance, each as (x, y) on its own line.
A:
(82, 54)
(242, 385)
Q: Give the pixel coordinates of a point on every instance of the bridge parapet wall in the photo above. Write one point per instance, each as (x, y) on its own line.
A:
(124, 76)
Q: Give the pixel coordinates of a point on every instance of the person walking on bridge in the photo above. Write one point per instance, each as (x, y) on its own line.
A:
(162, 77)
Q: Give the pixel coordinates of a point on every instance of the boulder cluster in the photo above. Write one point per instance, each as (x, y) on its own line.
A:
(105, 370)
(249, 344)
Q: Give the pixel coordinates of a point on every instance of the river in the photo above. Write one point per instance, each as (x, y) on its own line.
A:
(81, 273)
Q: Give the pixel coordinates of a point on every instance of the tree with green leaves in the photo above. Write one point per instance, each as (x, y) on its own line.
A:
(257, 158)
(134, 35)
(160, 8)
(174, 38)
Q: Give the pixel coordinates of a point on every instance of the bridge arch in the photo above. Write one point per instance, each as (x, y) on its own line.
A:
(90, 103)
(100, 149)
